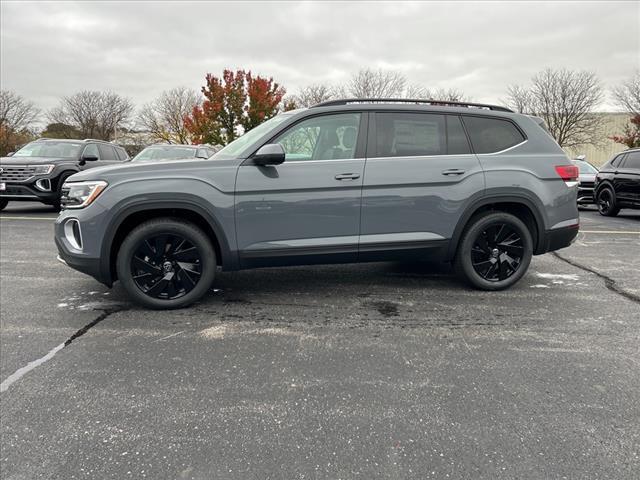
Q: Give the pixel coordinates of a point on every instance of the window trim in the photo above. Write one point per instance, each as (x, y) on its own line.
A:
(620, 158)
(89, 145)
(361, 145)
(493, 117)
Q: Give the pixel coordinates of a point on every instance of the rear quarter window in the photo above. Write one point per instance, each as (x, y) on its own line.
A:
(632, 161)
(490, 135)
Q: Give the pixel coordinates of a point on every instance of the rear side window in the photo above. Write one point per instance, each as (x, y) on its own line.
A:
(107, 152)
(490, 135)
(122, 153)
(632, 161)
(410, 135)
(617, 161)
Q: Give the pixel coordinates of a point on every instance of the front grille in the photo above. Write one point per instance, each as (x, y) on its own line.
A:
(16, 173)
(586, 184)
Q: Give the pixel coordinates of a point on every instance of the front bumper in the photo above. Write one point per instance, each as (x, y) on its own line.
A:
(585, 195)
(27, 192)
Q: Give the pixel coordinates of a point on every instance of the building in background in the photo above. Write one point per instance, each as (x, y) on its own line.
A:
(614, 124)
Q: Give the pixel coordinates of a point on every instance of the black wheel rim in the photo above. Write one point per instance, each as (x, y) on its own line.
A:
(166, 266)
(604, 201)
(497, 252)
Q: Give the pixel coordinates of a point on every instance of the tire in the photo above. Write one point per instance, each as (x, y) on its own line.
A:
(61, 180)
(173, 279)
(606, 202)
(3, 203)
(494, 252)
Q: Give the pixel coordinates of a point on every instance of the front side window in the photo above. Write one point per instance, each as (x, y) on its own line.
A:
(326, 137)
(632, 161)
(107, 152)
(490, 135)
(410, 135)
(91, 151)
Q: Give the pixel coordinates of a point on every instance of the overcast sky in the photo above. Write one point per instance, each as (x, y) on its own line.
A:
(139, 49)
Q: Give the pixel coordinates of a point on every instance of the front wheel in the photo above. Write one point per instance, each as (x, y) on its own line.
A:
(494, 252)
(3, 203)
(607, 203)
(166, 263)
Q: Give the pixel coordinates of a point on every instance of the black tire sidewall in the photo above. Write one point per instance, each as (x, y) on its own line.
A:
(63, 177)
(166, 225)
(613, 209)
(3, 203)
(463, 262)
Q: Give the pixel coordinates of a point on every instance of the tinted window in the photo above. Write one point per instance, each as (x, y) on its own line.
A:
(616, 161)
(410, 135)
(632, 160)
(490, 135)
(326, 137)
(107, 152)
(91, 149)
(457, 142)
(122, 153)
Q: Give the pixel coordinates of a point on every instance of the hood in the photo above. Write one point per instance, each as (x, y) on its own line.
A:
(34, 160)
(143, 170)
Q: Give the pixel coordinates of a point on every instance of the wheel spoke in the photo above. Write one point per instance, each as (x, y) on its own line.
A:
(186, 255)
(161, 245)
(502, 270)
(490, 272)
(515, 250)
(160, 286)
(483, 244)
(146, 267)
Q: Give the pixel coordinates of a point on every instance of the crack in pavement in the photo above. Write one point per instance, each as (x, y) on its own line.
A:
(21, 372)
(609, 282)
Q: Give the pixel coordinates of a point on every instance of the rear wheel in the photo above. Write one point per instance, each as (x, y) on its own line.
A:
(3, 203)
(166, 263)
(494, 252)
(607, 203)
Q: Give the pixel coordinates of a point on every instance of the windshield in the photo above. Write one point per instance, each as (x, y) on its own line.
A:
(50, 149)
(239, 144)
(164, 153)
(585, 167)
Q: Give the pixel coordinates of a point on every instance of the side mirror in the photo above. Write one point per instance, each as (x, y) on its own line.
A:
(202, 156)
(270, 154)
(89, 158)
(10, 154)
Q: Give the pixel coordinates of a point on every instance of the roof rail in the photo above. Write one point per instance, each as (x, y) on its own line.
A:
(348, 101)
(95, 140)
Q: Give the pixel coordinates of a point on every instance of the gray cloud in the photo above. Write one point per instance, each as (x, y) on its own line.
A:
(139, 49)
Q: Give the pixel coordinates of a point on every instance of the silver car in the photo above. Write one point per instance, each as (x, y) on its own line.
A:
(357, 180)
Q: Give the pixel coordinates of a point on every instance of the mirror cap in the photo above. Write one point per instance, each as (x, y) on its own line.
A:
(270, 154)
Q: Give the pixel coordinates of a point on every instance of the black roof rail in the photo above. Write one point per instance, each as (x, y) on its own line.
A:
(95, 140)
(347, 101)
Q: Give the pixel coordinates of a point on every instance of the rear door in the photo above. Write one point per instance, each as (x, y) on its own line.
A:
(419, 174)
(108, 155)
(627, 178)
(307, 209)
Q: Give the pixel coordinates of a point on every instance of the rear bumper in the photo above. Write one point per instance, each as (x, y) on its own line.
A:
(560, 237)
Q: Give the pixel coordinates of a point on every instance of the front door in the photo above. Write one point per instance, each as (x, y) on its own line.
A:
(307, 209)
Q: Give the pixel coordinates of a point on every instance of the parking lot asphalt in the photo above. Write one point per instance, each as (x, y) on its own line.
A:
(348, 371)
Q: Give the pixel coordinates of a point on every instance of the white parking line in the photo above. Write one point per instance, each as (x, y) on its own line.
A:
(612, 232)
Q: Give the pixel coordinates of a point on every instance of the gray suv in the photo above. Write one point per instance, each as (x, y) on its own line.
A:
(343, 181)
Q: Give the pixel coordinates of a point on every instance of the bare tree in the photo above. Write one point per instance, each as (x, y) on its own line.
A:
(164, 117)
(313, 94)
(94, 114)
(368, 83)
(16, 113)
(566, 100)
(447, 95)
(627, 94)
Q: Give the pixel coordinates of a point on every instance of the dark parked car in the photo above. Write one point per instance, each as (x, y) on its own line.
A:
(38, 170)
(586, 181)
(618, 183)
(174, 152)
(344, 181)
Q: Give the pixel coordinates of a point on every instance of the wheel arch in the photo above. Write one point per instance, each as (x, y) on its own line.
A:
(131, 216)
(524, 208)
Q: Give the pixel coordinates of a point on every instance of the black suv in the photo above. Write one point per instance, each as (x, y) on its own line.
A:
(37, 171)
(618, 183)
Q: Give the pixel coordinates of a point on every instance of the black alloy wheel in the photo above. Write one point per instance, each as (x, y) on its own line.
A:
(497, 252)
(606, 203)
(166, 263)
(166, 266)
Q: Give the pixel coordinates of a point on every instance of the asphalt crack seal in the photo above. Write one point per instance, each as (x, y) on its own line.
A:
(21, 372)
(609, 282)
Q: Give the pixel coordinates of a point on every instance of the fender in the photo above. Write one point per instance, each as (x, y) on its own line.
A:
(532, 204)
(124, 211)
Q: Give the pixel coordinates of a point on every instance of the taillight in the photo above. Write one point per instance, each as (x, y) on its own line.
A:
(568, 173)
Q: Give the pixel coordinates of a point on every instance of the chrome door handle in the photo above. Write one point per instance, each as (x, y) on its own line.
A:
(453, 171)
(347, 176)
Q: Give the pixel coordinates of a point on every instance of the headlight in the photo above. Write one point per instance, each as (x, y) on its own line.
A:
(81, 194)
(43, 169)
